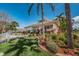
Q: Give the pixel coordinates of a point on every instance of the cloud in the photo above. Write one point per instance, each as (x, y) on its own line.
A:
(76, 22)
(76, 18)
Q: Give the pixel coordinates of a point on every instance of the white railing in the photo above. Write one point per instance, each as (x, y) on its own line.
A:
(7, 36)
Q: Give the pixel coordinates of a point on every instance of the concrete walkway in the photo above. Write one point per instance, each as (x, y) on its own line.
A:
(9, 37)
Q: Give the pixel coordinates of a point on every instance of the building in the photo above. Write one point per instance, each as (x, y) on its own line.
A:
(21, 31)
(49, 27)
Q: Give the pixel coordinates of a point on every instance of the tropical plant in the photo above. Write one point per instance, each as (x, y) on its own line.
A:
(14, 24)
(62, 38)
(51, 46)
(54, 37)
(76, 44)
(11, 26)
(62, 20)
(40, 7)
(75, 37)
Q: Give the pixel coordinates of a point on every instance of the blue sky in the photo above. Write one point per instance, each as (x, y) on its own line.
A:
(18, 12)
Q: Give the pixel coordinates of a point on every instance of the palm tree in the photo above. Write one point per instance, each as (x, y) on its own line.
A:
(11, 26)
(69, 25)
(40, 6)
(62, 21)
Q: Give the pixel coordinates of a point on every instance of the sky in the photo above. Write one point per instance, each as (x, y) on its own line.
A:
(18, 12)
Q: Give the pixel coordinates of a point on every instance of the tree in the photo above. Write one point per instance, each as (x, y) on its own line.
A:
(14, 24)
(1, 27)
(11, 26)
(69, 25)
(40, 6)
(62, 20)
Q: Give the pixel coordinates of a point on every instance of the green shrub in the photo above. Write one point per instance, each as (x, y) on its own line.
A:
(34, 48)
(51, 46)
(63, 38)
(75, 36)
(61, 44)
(76, 44)
(53, 37)
(77, 53)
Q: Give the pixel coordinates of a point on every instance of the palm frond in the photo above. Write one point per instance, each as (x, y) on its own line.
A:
(52, 6)
(38, 8)
(30, 9)
(60, 15)
(42, 9)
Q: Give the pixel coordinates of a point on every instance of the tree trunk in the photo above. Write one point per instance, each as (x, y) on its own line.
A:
(69, 26)
(42, 9)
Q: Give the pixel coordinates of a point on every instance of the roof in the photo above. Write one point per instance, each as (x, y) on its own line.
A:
(45, 22)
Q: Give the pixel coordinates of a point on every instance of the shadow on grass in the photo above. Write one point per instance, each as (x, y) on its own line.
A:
(21, 45)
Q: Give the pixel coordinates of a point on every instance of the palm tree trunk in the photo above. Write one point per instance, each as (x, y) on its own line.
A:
(69, 26)
(42, 9)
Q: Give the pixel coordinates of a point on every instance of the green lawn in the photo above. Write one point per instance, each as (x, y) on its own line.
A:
(21, 47)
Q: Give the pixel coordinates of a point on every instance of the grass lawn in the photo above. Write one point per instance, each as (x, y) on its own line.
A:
(20, 48)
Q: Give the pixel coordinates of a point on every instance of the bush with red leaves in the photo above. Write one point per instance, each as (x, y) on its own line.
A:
(70, 52)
